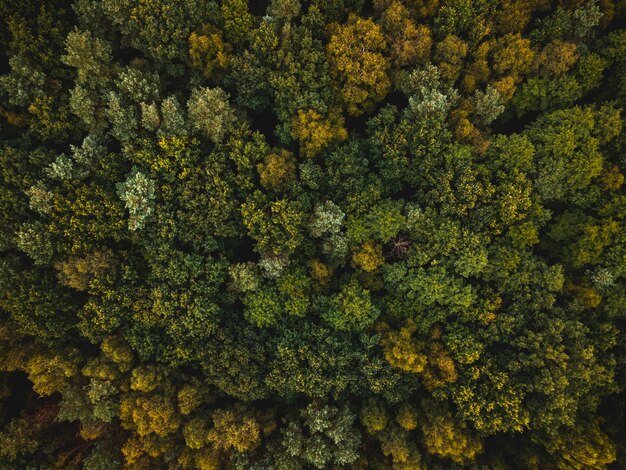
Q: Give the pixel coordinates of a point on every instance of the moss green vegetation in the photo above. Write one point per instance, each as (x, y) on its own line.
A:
(312, 234)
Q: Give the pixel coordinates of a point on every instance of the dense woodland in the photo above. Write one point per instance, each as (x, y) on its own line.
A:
(312, 234)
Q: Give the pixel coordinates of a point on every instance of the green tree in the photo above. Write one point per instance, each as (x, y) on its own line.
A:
(158, 28)
(351, 309)
(91, 56)
(210, 113)
(275, 226)
(321, 435)
(568, 154)
(237, 20)
(138, 194)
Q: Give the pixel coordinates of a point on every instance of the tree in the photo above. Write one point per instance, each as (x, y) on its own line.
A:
(592, 449)
(207, 208)
(488, 105)
(302, 88)
(557, 57)
(250, 75)
(24, 84)
(50, 373)
(409, 43)
(284, 10)
(445, 437)
(581, 239)
(138, 85)
(236, 429)
(156, 415)
(294, 287)
(355, 53)
(262, 308)
(544, 94)
(172, 123)
(237, 20)
(493, 402)
(122, 119)
(464, 18)
(427, 357)
(567, 151)
(327, 218)
(137, 192)
(426, 291)
(158, 28)
(369, 257)
(207, 51)
(91, 56)
(315, 133)
(568, 23)
(514, 15)
(382, 222)
(210, 113)
(86, 215)
(351, 309)
(321, 435)
(87, 106)
(91, 271)
(33, 240)
(277, 170)
(449, 56)
(312, 234)
(403, 351)
(512, 55)
(275, 226)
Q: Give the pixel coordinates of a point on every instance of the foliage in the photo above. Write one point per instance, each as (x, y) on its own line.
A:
(210, 113)
(355, 54)
(288, 234)
(137, 192)
(316, 133)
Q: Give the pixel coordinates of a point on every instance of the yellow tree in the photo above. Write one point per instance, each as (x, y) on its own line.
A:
(445, 437)
(277, 170)
(355, 54)
(556, 58)
(449, 56)
(369, 257)
(429, 358)
(512, 16)
(403, 351)
(409, 43)
(316, 132)
(512, 55)
(236, 429)
(83, 273)
(207, 51)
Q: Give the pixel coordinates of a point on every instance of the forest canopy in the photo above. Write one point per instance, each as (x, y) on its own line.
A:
(312, 234)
